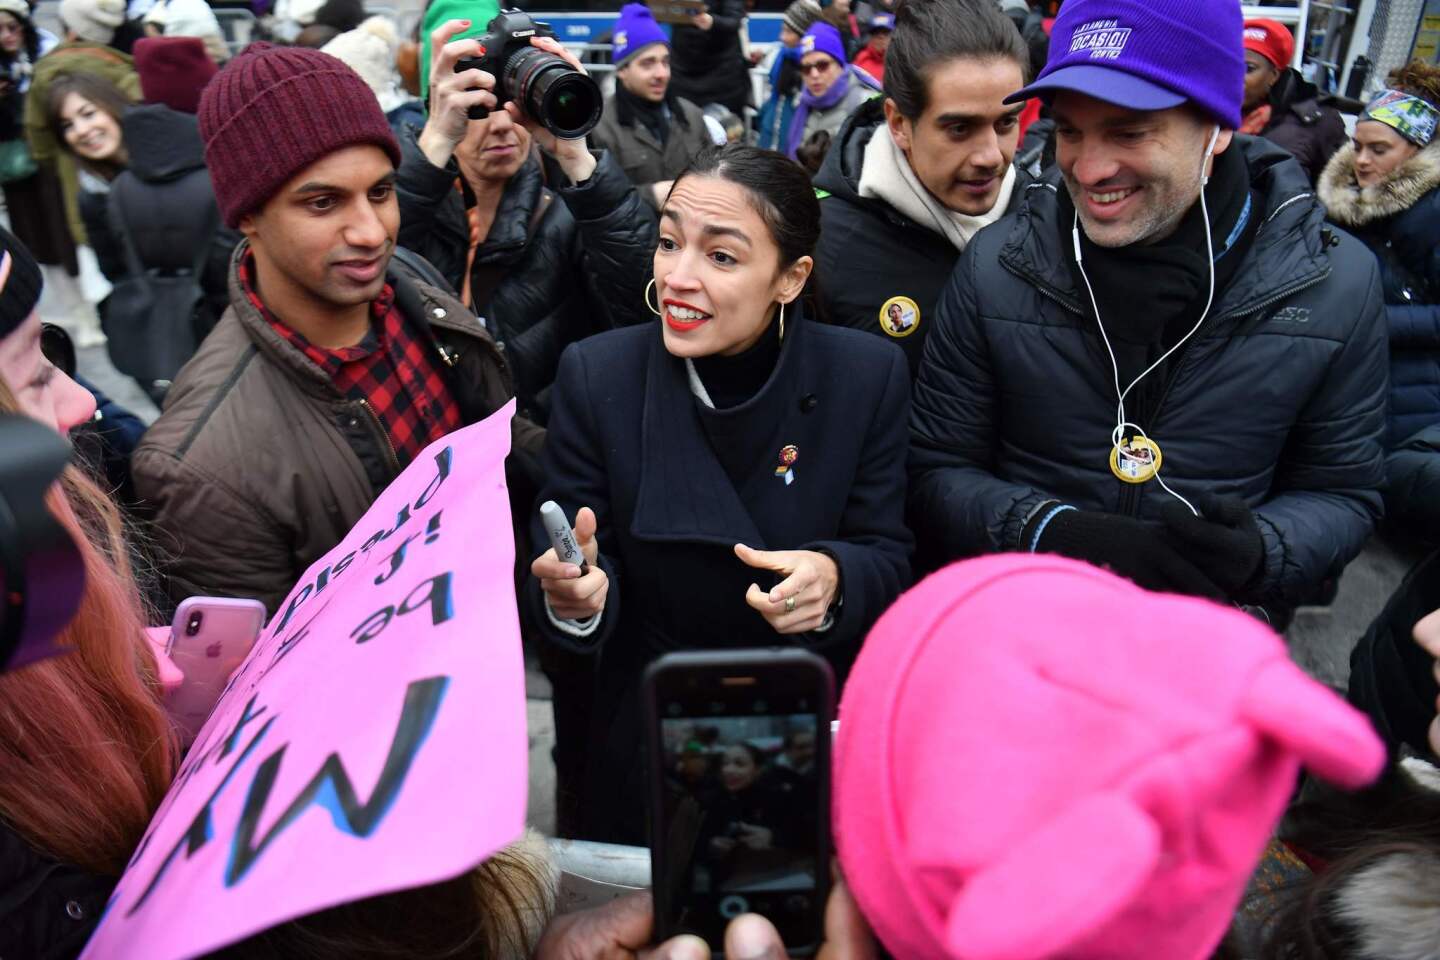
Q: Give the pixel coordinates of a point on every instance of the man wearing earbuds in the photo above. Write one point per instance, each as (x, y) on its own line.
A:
(1165, 364)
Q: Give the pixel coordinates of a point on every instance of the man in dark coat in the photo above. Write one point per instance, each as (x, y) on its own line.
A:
(1282, 106)
(543, 267)
(652, 133)
(333, 368)
(1066, 405)
(708, 65)
(909, 181)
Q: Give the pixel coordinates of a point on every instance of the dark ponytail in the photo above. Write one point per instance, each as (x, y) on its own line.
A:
(779, 190)
(931, 32)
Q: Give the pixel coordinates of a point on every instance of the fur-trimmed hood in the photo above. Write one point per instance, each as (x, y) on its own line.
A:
(1352, 206)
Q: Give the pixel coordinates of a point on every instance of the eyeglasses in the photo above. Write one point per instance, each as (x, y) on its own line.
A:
(819, 67)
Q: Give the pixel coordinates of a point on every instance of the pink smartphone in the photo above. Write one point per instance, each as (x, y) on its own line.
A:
(209, 638)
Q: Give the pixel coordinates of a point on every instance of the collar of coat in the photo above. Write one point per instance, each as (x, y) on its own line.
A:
(1288, 253)
(427, 308)
(684, 493)
(1353, 206)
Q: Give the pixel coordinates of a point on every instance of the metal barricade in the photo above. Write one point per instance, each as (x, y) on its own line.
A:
(237, 27)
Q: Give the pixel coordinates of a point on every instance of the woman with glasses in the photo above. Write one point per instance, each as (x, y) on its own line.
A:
(833, 88)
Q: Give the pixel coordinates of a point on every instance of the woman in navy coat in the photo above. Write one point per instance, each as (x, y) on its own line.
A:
(735, 474)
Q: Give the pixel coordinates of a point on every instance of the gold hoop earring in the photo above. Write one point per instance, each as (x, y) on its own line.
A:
(782, 320)
(654, 310)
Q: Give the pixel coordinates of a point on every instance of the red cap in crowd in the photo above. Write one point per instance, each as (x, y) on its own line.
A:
(1272, 40)
(173, 71)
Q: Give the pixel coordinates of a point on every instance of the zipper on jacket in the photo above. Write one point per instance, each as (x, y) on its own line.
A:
(389, 444)
(1130, 500)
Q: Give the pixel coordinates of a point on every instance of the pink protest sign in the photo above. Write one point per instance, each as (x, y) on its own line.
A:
(373, 741)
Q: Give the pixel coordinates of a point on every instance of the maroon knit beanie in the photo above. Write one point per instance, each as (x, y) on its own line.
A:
(272, 112)
(173, 71)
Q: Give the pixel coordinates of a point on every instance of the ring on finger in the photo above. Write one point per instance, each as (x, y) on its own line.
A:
(789, 604)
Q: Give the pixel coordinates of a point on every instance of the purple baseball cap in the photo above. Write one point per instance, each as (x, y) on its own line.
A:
(1148, 55)
(883, 21)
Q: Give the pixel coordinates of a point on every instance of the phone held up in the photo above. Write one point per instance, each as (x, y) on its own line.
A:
(209, 638)
(739, 771)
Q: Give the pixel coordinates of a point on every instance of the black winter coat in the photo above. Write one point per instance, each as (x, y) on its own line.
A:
(47, 909)
(582, 270)
(1399, 220)
(1299, 123)
(1392, 678)
(1278, 400)
(1412, 486)
(869, 251)
(708, 66)
(628, 439)
(168, 198)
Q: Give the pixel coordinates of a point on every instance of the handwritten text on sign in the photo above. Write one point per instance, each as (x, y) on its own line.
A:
(373, 741)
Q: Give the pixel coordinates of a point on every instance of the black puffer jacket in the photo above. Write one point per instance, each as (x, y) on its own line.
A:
(1279, 399)
(1399, 220)
(869, 251)
(582, 270)
(168, 198)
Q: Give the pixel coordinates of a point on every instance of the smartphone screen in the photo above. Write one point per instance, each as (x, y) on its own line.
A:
(743, 794)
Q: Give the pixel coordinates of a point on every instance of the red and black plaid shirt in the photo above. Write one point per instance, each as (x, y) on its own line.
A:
(391, 369)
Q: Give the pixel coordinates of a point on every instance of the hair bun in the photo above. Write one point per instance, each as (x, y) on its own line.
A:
(1419, 79)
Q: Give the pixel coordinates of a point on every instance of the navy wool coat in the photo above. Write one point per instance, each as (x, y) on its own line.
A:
(629, 439)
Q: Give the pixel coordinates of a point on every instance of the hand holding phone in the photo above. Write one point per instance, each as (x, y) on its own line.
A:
(209, 638)
(568, 572)
(739, 749)
(622, 928)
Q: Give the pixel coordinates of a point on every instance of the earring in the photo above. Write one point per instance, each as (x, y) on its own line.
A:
(654, 310)
(782, 320)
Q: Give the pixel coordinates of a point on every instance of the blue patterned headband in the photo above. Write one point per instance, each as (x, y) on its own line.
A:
(1411, 117)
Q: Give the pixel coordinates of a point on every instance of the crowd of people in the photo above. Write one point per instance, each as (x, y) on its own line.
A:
(1030, 362)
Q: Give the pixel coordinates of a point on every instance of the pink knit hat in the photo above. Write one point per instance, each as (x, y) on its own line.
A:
(272, 112)
(1037, 759)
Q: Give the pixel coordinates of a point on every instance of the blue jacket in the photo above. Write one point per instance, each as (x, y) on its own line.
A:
(1278, 400)
(1399, 220)
(628, 439)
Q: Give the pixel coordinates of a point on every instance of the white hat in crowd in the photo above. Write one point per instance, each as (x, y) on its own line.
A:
(370, 50)
(93, 20)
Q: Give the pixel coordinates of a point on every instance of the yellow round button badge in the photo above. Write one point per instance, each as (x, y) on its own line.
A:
(899, 316)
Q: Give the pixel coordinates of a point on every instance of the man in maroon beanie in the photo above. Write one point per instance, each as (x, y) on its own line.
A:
(334, 365)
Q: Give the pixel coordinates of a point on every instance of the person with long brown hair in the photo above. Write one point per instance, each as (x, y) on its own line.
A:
(86, 749)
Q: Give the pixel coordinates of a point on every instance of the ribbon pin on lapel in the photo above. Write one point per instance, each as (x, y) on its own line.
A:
(788, 455)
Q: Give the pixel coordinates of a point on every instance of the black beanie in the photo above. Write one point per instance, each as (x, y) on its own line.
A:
(20, 283)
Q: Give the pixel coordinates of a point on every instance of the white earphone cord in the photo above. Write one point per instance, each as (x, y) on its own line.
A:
(1118, 436)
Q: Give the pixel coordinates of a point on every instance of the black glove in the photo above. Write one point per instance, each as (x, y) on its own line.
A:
(1224, 542)
(1125, 546)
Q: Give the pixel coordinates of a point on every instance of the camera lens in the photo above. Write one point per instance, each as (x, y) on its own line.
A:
(551, 91)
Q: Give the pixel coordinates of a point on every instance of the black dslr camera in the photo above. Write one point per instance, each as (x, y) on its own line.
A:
(547, 88)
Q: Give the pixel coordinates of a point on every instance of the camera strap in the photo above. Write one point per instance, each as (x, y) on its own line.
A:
(482, 280)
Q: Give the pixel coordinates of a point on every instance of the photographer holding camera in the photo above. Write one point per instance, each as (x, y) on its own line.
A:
(478, 203)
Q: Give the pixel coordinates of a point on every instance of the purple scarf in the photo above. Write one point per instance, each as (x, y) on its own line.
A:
(825, 101)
